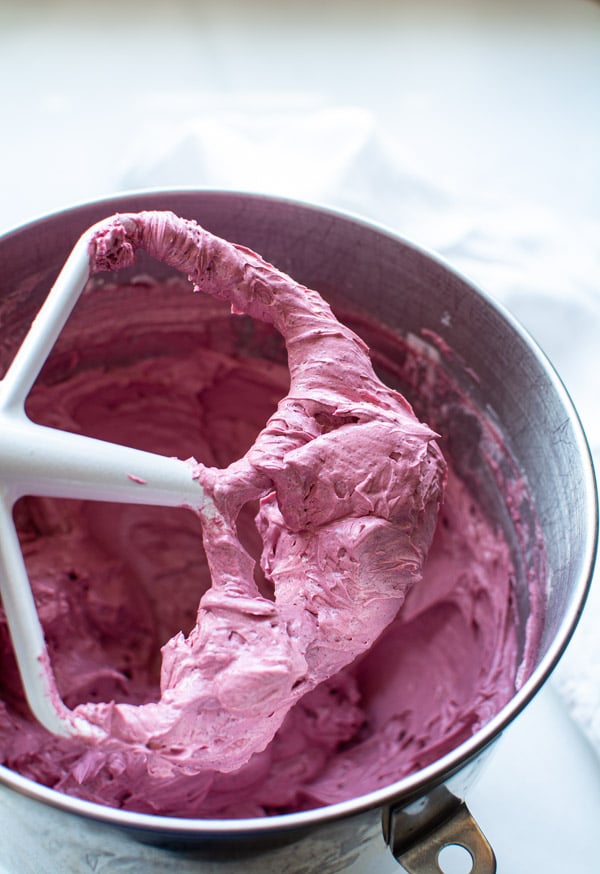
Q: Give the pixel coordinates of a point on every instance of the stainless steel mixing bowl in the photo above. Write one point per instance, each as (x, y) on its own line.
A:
(372, 276)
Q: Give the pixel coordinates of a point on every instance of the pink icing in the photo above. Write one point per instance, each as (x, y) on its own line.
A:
(116, 582)
(349, 485)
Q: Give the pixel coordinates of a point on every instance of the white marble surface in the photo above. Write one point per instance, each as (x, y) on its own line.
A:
(488, 106)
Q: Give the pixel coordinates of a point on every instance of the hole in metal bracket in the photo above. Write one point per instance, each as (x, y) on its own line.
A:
(455, 859)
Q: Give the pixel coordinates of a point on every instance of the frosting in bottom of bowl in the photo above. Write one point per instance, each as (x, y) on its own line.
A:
(114, 583)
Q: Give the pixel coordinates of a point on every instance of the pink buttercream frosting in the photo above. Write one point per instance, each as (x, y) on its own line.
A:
(349, 485)
(319, 644)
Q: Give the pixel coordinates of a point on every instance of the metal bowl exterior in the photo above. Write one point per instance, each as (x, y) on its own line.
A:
(367, 269)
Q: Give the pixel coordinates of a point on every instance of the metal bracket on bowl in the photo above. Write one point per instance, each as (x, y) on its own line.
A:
(418, 834)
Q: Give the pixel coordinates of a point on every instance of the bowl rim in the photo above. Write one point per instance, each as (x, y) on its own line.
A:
(420, 782)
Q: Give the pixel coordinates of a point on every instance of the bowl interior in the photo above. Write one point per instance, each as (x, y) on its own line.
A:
(505, 418)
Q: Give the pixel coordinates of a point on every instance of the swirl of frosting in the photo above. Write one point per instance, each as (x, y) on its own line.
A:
(348, 484)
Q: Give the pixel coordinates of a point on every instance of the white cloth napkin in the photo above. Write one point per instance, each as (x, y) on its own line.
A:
(545, 269)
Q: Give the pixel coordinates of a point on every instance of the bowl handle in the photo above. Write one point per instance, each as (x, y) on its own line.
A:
(417, 835)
